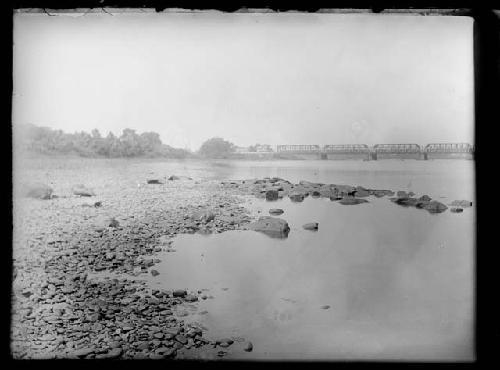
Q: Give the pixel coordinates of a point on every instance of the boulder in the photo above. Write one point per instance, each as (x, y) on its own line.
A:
(179, 293)
(352, 201)
(311, 226)
(406, 202)
(315, 194)
(272, 195)
(154, 181)
(38, 191)
(82, 191)
(461, 203)
(276, 211)
(402, 194)
(271, 226)
(456, 210)
(425, 198)
(381, 193)
(296, 197)
(155, 273)
(361, 192)
(248, 347)
(175, 177)
(191, 298)
(435, 207)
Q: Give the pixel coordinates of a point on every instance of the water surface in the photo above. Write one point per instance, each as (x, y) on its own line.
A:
(399, 281)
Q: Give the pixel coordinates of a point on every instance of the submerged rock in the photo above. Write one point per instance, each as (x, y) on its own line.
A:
(456, 210)
(352, 201)
(276, 211)
(311, 226)
(271, 226)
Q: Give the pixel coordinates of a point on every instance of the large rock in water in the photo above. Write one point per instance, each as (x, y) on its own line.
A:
(38, 191)
(296, 197)
(461, 203)
(425, 198)
(381, 193)
(408, 202)
(435, 207)
(272, 195)
(362, 192)
(82, 191)
(352, 201)
(311, 226)
(271, 226)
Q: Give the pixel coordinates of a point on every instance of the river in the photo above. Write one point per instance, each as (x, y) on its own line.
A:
(398, 282)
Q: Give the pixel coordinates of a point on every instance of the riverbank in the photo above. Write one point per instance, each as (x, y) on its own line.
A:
(59, 312)
(82, 264)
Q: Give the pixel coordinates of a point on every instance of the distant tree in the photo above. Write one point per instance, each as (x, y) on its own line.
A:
(216, 148)
(252, 148)
(131, 144)
(45, 140)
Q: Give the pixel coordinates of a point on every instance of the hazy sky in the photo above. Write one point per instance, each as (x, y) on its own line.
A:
(266, 78)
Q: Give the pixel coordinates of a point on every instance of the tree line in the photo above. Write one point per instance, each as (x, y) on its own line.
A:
(44, 140)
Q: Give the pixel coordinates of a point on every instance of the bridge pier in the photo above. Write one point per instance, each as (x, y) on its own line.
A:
(323, 156)
(373, 156)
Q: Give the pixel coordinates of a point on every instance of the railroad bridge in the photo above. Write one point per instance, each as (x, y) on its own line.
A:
(448, 148)
(398, 150)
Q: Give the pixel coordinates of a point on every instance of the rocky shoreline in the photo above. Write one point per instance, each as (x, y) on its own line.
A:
(59, 312)
(61, 240)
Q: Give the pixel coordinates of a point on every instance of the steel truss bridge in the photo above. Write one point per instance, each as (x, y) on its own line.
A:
(378, 149)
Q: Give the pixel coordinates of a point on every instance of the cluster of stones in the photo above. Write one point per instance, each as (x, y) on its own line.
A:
(59, 311)
(424, 202)
(79, 318)
(276, 188)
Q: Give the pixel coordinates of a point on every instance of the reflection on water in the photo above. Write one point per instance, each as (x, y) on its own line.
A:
(398, 282)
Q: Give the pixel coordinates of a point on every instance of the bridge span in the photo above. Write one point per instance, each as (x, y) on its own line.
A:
(378, 150)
